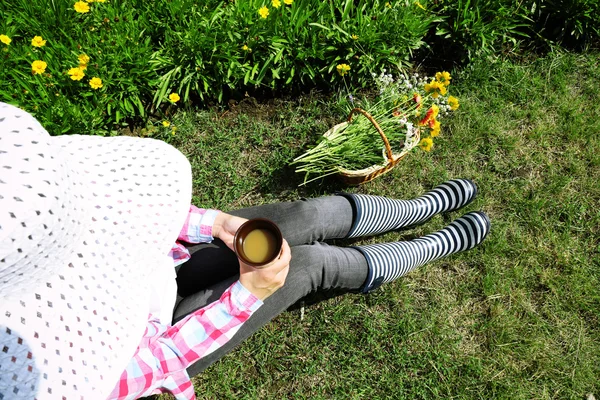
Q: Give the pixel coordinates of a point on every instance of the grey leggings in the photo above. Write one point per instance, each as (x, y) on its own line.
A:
(315, 266)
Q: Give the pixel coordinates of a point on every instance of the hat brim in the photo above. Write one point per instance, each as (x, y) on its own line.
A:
(73, 334)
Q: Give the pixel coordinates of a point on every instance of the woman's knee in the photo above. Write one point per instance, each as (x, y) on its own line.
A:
(308, 266)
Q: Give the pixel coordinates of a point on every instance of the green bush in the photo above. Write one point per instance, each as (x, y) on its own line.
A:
(144, 51)
(573, 23)
(474, 28)
(219, 47)
(206, 51)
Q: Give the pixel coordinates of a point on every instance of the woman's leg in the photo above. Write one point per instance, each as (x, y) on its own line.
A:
(317, 266)
(322, 267)
(377, 214)
(305, 221)
(301, 222)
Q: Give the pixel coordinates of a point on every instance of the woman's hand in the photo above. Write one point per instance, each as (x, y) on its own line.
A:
(265, 281)
(225, 227)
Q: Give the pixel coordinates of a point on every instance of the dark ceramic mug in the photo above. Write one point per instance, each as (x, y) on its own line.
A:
(251, 225)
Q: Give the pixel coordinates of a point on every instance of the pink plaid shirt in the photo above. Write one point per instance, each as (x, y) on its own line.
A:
(196, 229)
(160, 361)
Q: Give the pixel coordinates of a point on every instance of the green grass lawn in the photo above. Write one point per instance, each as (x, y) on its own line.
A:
(516, 318)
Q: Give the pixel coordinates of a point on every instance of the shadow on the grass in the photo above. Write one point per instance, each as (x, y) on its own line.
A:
(285, 180)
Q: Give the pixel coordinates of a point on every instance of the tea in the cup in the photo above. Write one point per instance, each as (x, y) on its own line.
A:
(257, 242)
(260, 246)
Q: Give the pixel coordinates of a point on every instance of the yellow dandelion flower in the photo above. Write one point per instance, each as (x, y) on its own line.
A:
(84, 59)
(166, 124)
(263, 12)
(343, 69)
(81, 7)
(38, 41)
(436, 88)
(453, 103)
(174, 130)
(354, 37)
(276, 3)
(436, 110)
(96, 83)
(246, 48)
(288, 2)
(443, 77)
(174, 97)
(5, 39)
(426, 144)
(435, 129)
(76, 74)
(38, 67)
(388, 5)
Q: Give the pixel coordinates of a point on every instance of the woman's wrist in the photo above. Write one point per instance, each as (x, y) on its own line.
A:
(218, 223)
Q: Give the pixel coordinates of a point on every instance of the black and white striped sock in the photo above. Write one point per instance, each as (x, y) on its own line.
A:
(389, 261)
(377, 214)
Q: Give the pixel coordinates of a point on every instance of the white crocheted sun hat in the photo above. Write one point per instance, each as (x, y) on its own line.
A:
(85, 223)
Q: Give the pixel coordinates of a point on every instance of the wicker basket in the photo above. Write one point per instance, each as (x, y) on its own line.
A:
(357, 177)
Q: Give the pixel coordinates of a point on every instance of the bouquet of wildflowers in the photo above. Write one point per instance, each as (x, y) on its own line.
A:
(408, 110)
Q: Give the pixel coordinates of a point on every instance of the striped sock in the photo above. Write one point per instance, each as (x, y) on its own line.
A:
(377, 214)
(389, 261)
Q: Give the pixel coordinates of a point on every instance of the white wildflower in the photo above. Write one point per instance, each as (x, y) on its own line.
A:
(410, 134)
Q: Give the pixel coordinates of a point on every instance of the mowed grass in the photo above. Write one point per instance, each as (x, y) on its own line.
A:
(516, 318)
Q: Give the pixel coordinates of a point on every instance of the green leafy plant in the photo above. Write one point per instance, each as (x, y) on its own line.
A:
(145, 52)
(105, 41)
(570, 22)
(232, 47)
(152, 57)
(472, 28)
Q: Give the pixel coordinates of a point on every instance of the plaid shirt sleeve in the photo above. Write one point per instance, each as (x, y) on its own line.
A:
(160, 361)
(196, 229)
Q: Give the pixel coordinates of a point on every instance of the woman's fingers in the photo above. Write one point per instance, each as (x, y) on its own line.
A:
(265, 281)
(225, 226)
